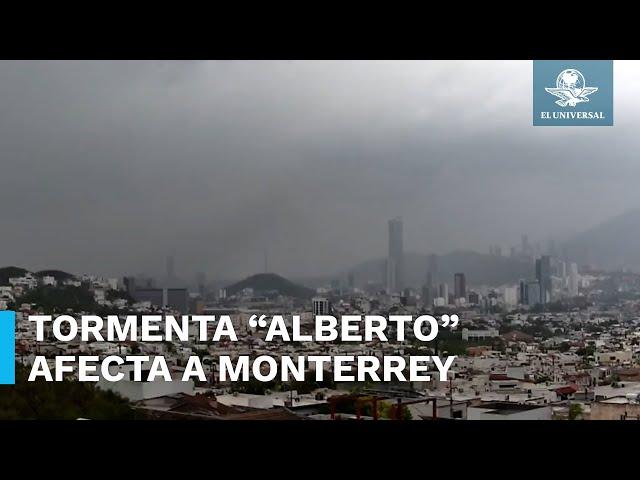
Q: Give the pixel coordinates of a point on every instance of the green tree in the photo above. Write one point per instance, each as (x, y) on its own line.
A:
(575, 411)
(66, 400)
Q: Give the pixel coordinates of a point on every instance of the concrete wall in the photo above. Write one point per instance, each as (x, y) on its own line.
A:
(614, 411)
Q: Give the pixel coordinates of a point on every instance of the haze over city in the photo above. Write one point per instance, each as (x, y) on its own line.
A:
(108, 167)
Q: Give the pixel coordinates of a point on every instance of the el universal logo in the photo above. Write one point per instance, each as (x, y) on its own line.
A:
(582, 95)
(571, 89)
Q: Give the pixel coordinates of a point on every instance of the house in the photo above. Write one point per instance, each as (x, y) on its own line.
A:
(624, 407)
(614, 358)
(566, 393)
(516, 337)
(628, 374)
(581, 379)
(181, 406)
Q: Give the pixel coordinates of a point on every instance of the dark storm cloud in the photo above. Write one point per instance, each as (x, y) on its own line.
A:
(106, 167)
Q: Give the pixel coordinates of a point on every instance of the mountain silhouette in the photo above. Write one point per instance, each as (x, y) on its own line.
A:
(613, 244)
(262, 283)
(10, 272)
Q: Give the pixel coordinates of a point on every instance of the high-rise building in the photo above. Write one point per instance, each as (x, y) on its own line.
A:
(459, 286)
(178, 299)
(130, 285)
(562, 269)
(427, 296)
(320, 306)
(155, 296)
(443, 291)
(523, 293)
(432, 265)
(395, 259)
(533, 293)
(573, 279)
(510, 296)
(543, 275)
(427, 291)
(474, 298)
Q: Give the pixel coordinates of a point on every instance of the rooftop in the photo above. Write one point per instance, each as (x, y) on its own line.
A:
(507, 408)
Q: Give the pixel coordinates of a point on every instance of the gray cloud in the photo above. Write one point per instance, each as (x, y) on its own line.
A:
(108, 166)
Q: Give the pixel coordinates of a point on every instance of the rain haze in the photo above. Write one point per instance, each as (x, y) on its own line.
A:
(107, 167)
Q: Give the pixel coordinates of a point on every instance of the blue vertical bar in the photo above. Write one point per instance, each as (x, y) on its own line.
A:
(7, 347)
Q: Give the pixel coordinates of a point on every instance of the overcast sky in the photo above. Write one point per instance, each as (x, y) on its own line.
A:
(106, 167)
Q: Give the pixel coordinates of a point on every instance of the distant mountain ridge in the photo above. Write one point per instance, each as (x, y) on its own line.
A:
(59, 275)
(613, 244)
(10, 272)
(270, 282)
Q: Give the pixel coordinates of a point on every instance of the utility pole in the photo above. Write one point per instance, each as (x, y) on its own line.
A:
(451, 397)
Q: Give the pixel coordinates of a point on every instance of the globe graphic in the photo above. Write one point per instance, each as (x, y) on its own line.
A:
(572, 80)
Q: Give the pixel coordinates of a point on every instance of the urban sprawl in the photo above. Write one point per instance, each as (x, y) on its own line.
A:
(562, 344)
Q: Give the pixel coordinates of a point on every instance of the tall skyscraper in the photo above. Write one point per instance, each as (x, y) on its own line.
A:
(543, 275)
(395, 259)
(427, 291)
(459, 286)
(427, 296)
(533, 293)
(432, 272)
(443, 291)
(523, 293)
(573, 279)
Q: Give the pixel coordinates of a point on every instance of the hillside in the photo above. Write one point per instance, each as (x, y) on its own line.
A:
(59, 299)
(611, 244)
(270, 282)
(9, 272)
(59, 275)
